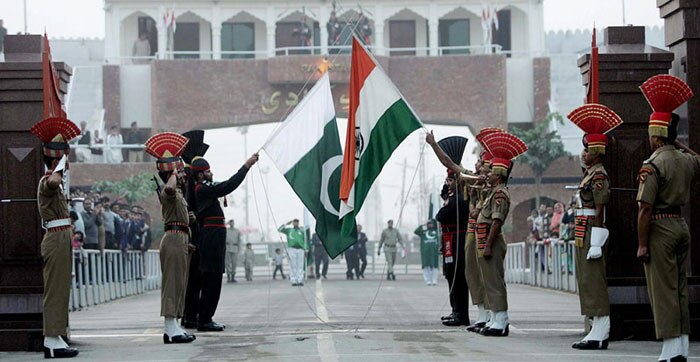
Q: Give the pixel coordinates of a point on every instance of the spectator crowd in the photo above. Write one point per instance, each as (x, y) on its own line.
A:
(100, 223)
(551, 225)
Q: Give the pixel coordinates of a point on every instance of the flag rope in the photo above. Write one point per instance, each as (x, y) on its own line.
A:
(269, 206)
(357, 326)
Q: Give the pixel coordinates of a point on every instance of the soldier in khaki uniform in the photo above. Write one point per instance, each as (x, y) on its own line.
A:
(664, 238)
(54, 133)
(167, 148)
(490, 244)
(390, 237)
(590, 234)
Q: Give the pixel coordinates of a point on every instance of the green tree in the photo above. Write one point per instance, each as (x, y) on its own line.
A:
(544, 147)
(134, 188)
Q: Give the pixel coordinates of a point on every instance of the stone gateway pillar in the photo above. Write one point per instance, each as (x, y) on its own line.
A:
(21, 106)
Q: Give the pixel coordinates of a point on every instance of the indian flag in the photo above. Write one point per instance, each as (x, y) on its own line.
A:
(379, 120)
(306, 149)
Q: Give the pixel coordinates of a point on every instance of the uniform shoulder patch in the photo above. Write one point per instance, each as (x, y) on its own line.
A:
(645, 171)
(500, 196)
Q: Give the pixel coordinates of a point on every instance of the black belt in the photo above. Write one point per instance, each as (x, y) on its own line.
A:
(176, 228)
(676, 210)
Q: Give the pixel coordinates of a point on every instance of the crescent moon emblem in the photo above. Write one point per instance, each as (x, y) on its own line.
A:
(326, 171)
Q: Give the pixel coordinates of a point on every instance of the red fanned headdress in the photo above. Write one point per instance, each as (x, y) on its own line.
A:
(55, 133)
(595, 120)
(664, 93)
(486, 157)
(167, 148)
(504, 147)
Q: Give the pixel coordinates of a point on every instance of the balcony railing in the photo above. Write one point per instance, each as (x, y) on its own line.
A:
(313, 50)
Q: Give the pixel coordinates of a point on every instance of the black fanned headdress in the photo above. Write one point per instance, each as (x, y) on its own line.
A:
(454, 147)
(196, 146)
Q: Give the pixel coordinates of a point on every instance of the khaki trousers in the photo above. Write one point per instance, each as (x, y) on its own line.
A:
(492, 276)
(471, 271)
(667, 283)
(390, 255)
(174, 264)
(592, 285)
(135, 156)
(231, 263)
(57, 255)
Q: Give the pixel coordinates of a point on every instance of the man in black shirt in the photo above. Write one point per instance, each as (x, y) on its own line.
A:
(212, 235)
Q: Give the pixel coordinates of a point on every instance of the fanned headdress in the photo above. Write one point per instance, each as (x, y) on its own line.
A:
(664, 93)
(486, 156)
(195, 147)
(504, 147)
(167, 147)
(454, 147)
(595, 120)
(55, 133)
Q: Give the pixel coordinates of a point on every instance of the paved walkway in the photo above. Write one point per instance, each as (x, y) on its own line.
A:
(323, 321)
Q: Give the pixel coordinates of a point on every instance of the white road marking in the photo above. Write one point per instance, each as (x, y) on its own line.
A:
(324, 341)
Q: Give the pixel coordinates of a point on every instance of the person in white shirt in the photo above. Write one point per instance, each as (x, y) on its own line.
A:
(114, 138)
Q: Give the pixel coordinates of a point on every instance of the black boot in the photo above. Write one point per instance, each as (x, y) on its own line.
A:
(591, 344)
(60, 352)
(182, 338)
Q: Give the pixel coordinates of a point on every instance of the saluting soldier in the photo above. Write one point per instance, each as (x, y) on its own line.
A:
(491, 246)
(167, 147)
(664, 238)
(212, 237)
(590, 234)
(54, 133)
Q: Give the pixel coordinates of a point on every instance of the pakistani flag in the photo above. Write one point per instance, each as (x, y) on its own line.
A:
(379, 119)
(306, 149)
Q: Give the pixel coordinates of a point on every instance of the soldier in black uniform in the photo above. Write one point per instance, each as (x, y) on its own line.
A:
(453, 220)
(212, 237)
(195, 148)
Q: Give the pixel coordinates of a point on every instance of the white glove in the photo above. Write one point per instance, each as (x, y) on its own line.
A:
(598, 238)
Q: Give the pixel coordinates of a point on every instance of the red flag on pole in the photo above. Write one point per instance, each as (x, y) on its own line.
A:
(52, 99)
(592, 94)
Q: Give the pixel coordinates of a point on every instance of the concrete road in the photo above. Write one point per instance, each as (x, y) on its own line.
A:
(331, 320)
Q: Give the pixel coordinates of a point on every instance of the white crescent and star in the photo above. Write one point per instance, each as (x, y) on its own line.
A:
(327, 170)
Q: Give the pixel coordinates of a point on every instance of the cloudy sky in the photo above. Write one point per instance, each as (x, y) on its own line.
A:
(84, 18)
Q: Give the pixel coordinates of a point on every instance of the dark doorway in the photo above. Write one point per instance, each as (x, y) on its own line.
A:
(502, 35)
(187, 39)
(148, 25)
(402, 34)
(238, 37)
(287, 34)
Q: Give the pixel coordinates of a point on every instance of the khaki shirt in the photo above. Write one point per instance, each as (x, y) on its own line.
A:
(390, 237)
(496, 205)
(594, 189)
(174, 208)
(52, 203)
(233, 240)
(665, 178)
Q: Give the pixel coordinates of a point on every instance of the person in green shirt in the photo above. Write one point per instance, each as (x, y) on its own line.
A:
(428, 251)
(296, 247)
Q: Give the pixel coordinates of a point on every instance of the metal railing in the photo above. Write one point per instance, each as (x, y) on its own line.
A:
(309, 50)
(542, 264)
(102, 277)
